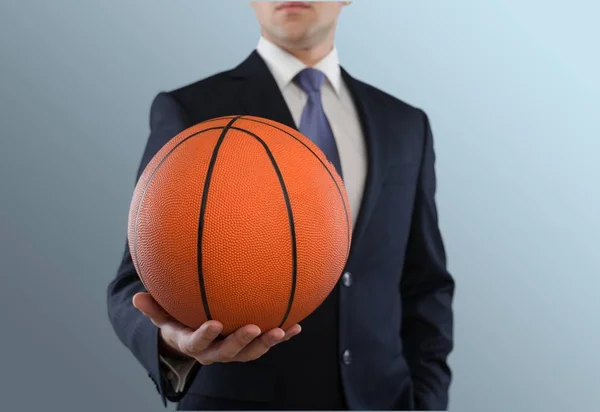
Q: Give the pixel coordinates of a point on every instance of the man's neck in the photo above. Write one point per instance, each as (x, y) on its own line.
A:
(312, 56)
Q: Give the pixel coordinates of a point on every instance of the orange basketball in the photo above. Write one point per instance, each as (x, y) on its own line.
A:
(242, 220)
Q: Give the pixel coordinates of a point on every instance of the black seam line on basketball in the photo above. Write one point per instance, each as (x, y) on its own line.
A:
(158, 166)
(288, 205)
(229, 116)
(209, 172)
(326, 168)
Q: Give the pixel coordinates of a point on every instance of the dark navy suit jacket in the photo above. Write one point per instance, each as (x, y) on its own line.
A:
(394, 324)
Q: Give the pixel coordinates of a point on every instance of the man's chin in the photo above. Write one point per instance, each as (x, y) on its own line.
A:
(296, 40)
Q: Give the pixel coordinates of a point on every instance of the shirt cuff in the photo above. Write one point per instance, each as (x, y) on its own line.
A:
(178, 371)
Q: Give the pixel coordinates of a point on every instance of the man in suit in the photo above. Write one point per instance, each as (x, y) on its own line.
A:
(382, 338)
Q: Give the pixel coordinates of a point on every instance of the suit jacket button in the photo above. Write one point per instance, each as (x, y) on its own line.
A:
(347, 279)
(347, 357)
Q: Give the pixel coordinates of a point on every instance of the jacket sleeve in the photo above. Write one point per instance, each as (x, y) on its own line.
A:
(134, 329)
(427, 291)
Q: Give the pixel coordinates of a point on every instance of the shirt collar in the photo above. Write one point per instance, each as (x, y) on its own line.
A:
(285, 66)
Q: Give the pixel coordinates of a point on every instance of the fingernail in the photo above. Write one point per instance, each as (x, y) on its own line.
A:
(214, 329)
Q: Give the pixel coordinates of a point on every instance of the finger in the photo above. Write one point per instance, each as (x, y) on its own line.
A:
(291, 332)
(258, 347)
(203, 337)
(146, 304)
(227, 349)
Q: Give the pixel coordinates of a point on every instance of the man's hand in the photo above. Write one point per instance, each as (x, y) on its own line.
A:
(245, 344)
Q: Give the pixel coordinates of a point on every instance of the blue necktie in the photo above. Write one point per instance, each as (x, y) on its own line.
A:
(314, 123)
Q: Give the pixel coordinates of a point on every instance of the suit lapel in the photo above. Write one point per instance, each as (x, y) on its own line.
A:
(376, 139)
(258, 91)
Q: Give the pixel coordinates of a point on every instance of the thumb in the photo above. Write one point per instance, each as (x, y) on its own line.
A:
(145, 303)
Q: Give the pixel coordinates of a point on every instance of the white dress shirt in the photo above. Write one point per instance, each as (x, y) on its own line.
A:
(345, 124)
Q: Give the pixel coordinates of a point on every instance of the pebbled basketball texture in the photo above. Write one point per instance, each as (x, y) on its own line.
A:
(239, 219)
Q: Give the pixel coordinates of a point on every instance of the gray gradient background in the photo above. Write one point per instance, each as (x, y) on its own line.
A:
(513, 93)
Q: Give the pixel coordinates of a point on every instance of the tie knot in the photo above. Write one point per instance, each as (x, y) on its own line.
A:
(310, 80)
